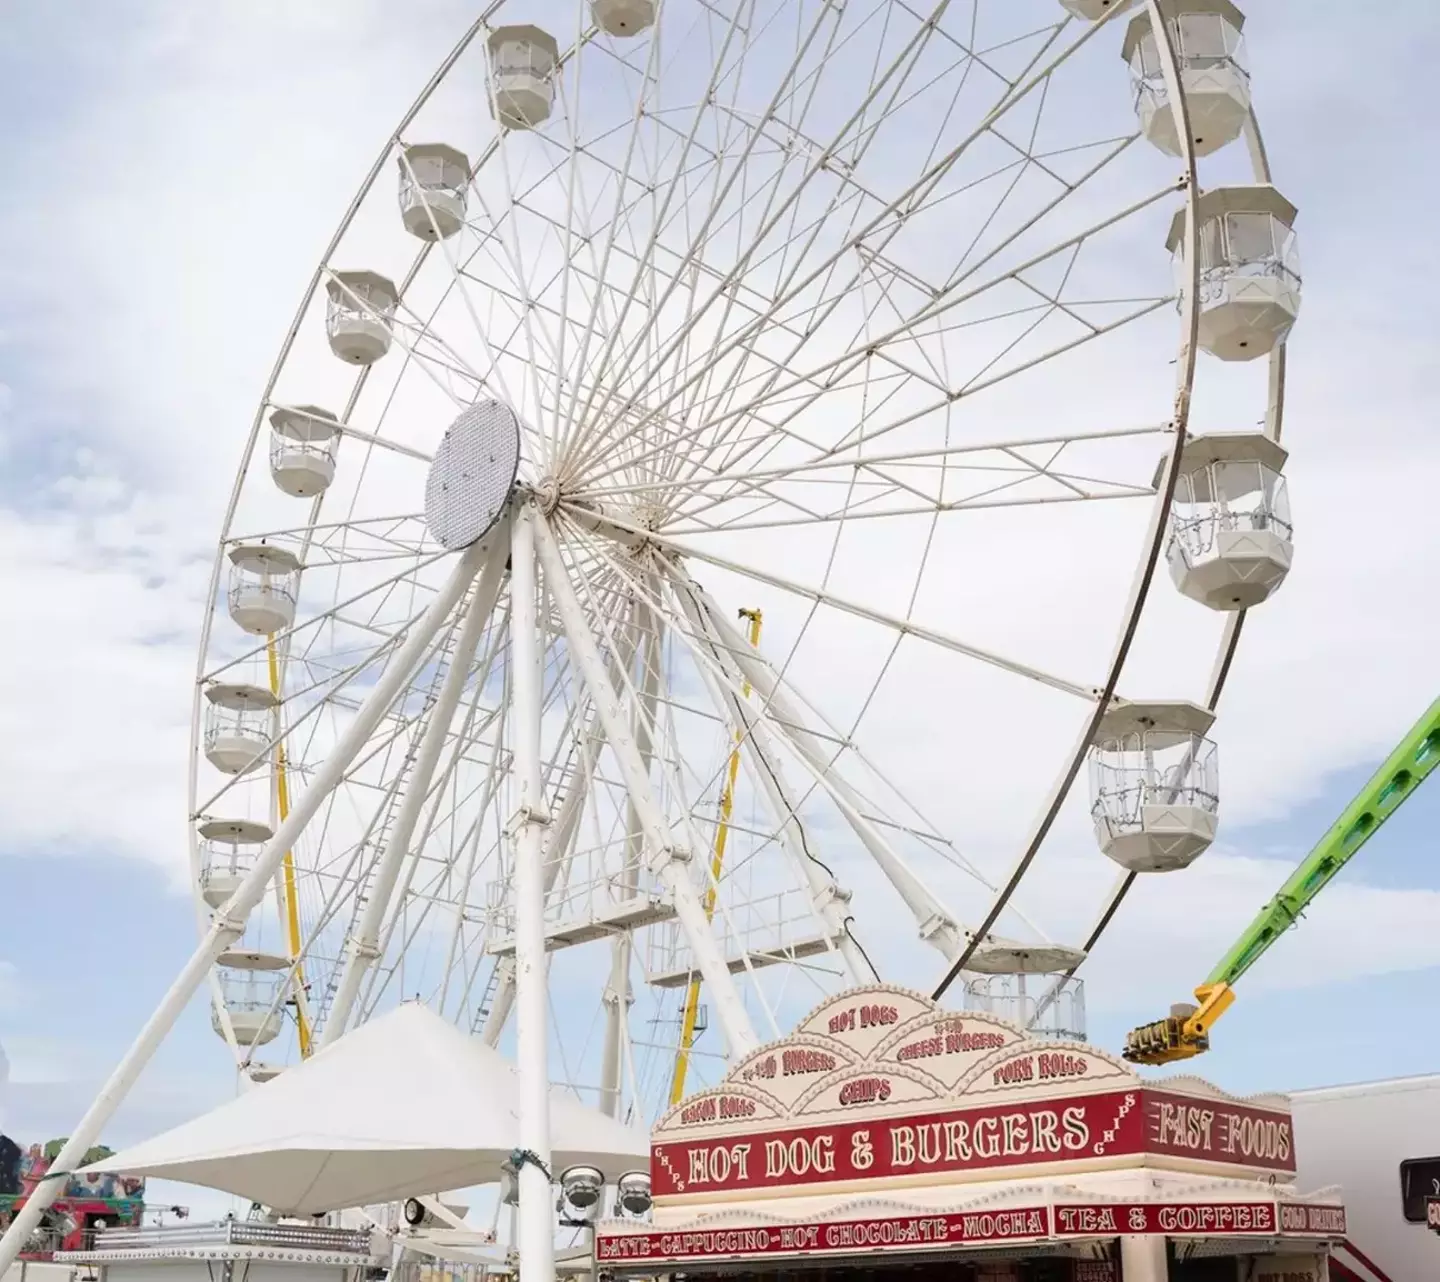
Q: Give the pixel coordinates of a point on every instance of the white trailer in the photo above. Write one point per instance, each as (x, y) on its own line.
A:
(1380, 1142)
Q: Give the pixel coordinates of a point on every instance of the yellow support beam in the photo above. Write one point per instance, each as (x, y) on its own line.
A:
(292, 899)
(717, 863)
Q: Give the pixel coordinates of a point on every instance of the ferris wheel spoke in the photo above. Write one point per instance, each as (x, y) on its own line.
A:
(716, 488)
(829, 901)
(824, 377)
(707, 643)
(609, 524)
(782, 706)
(458, 283)
(932, 176)
(726, 288)
(309, 628)
(939, 926)
(717, 201)
(332, 684)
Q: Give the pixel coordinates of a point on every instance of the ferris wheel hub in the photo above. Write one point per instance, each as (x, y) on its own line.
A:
(547, 495)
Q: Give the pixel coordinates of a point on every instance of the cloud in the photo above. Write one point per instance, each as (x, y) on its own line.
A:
(148, 306)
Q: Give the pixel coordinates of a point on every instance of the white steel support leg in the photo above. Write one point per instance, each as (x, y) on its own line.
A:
(229, 921)
(361, 951)
(617, 997)
(938, 926)
(762, 765)
(537, 1229)
(558, 851)
(665, 858)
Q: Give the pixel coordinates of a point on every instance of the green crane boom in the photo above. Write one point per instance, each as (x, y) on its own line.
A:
(1187, 1030)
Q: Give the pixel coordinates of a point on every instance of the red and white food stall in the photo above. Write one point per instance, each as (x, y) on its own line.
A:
(889, 1135)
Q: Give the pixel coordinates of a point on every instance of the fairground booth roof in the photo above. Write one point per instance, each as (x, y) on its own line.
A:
(887, 1123)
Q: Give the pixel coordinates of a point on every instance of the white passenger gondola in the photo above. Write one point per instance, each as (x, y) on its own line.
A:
(302, 450)
(1154, 785)
(433, 181)
(1206, 37)
(1249, 270)
(264, 585)
(1231, 538)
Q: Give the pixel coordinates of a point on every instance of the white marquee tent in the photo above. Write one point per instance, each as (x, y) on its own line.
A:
(403, 1106)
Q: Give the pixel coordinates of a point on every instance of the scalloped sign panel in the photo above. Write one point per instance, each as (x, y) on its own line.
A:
(884, 1084)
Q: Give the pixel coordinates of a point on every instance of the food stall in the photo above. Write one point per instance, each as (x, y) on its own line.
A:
(888, 1136)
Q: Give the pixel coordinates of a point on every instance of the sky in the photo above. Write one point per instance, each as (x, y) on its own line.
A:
(165, 156)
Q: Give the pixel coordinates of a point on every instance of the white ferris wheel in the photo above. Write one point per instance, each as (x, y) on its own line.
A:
(700, 545)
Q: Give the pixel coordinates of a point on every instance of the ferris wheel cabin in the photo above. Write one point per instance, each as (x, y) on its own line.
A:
(1231, 538)
(360, 316)
(264, 582)
(623, 18)
(1249, 270)
(1154, 782)
(228, 851)
(1206, 39)
(237, 725)
(523, 60)
(302, 450)
(253, 1000)
(433, 181)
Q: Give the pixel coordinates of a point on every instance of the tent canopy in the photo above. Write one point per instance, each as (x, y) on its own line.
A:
(404, 1105)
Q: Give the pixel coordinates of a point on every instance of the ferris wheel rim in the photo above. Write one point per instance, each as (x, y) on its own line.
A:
(1230, 638)
(1151, 545)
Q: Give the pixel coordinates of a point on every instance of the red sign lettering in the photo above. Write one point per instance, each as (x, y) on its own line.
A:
(956, 1140)
(876, 1016)
(1179, 1219)
(717, 1108)
(1029, 1223)
(865, 1090)
(804, 1060)
(1212, 1130)
(1300, 1217)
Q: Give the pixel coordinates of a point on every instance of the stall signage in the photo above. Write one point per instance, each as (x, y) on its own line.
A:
(1215, 1131)
(984, 1226)
(962, 1228)
(717, 1108)
(1064, 1130)
(1301, 1217)
(1177, 1219)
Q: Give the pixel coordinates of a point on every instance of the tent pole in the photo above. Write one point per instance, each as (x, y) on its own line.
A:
(229, 921)
(527, 826)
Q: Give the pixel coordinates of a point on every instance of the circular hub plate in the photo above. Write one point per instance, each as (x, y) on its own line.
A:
(472, 475)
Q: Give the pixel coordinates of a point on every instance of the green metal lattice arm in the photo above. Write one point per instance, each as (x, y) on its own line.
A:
(1403, 772)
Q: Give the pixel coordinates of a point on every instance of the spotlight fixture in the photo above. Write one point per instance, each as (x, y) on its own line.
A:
(580, 1189)
(633, 1194)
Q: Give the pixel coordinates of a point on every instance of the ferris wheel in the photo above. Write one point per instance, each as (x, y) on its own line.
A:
(709, 521)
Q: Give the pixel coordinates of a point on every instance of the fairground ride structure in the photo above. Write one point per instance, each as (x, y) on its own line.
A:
(874, 317)
(1185, 1032)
